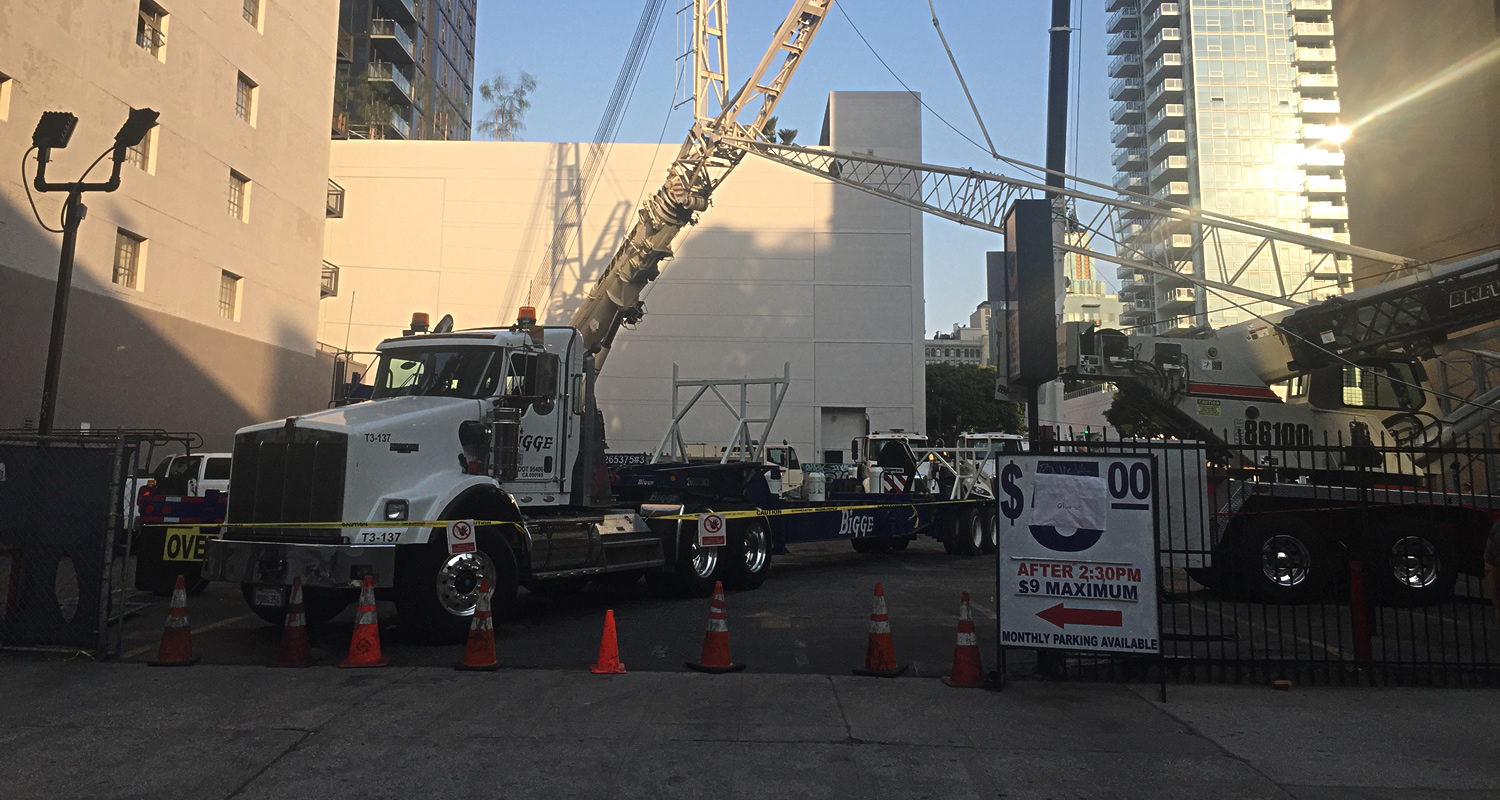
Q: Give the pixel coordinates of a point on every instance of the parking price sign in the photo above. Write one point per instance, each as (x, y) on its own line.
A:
(1077, 550)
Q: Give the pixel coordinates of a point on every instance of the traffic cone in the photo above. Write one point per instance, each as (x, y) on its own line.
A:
(364, 648)
(609, 649)
(479, 653)
(967, 672)
(715, 656)
(177, 636)
(880, 653)
(295, 651)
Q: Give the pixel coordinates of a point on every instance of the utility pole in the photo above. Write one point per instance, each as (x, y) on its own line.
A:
(53, 131)
(1060, 34)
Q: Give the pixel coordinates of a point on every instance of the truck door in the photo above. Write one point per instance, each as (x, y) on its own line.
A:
(531, 384)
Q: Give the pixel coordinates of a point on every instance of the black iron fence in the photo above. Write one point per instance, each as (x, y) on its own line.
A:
(1327, 562)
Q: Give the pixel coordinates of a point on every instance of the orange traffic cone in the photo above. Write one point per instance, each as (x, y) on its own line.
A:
(715, 656)
(880, 653)
(364, 648)
(177, 636)
(967, 672)
(295, 651)
(609, 649)
(479, 653)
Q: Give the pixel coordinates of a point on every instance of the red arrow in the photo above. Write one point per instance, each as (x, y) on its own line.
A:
(1062, 617)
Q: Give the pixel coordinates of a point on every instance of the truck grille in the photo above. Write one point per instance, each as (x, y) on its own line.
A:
(287, 475)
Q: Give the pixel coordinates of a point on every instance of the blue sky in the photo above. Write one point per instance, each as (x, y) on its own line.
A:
(1001, 45)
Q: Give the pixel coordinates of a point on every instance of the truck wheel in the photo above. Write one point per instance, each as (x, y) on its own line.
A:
(1409, 562)
(951, 525)
(968, 534)
(862, 545)
(901, 544)
(436, 592)
(693, 572)
(749, 555)
(320, 604)
(991, 532)
(1278, 558)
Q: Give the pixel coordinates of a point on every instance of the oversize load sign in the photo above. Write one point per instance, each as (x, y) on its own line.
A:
(1077, 554)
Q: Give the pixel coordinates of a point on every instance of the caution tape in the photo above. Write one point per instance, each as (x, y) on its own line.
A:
(415, 523)
(787, 512)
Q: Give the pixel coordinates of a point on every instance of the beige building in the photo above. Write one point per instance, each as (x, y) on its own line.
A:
(783, 268)
(194, 302)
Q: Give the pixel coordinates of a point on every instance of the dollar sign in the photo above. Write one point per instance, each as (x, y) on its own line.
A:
(1015, 501)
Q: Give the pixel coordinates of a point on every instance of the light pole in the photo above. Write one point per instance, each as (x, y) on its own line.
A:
(54, 130)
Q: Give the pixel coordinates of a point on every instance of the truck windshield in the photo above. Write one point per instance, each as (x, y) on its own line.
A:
(470, 372)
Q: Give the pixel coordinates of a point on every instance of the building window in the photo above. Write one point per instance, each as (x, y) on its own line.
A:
(229, 295)
(5, 86)
(128, 251)
(252, 13)
(151, 30)
(244, 99)
(140, 154)
(239, 196)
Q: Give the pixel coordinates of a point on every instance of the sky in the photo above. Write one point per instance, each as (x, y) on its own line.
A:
(1001, 46)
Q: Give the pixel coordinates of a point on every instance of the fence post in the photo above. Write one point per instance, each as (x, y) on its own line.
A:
(1359, 611)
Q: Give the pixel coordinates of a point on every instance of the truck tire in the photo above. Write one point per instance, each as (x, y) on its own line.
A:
(1280, 558)
(968, 539)
(321, 605)
(902, 543)
(692, 572)
(950, 525)
(872, 545)
(991, 532)
(436, 592)
(749, 556)
(1409, 562)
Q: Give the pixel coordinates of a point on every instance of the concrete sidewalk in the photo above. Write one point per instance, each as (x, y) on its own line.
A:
(122, 730)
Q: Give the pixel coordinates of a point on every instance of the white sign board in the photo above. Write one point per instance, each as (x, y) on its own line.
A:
(712, 530)
(461, 536)
(1077, 553)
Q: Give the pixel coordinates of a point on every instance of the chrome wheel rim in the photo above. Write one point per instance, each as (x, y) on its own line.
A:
(757, 548)
(976, 531)
(705, 560)
(1414, 562)
(994, 531)
(1285, 560)
(458, 581)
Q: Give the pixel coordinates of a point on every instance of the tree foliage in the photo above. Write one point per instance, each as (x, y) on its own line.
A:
(773, 133)
(961, 399)
(508, 102)
(364, 105)
(1130, 414)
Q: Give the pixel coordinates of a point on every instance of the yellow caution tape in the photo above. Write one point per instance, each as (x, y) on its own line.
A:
(786, 512)
(414, 523)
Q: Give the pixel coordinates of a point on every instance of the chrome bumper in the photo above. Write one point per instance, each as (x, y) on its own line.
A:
(277, 563)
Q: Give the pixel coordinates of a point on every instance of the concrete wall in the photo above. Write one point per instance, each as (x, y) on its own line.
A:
(1424, 159)
(782, 268)
(160, 355)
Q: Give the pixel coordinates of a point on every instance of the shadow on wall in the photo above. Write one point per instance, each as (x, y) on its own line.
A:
(128, 366)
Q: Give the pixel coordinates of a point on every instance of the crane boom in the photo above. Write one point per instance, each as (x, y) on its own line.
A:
(702, 163)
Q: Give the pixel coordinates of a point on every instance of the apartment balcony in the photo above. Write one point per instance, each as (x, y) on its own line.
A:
(1319, 132)
(1327, 211)
(1125, 65)
(1179, 324)
(1318, 80)
(1128, 136)
(1130, 182)
(1181, 244)
(1317, 157)
(1137, 283)
(1133, 212)
(1169, 143)
(403, 11)
(391, 41)
(330, 283)
(1168, 89)
(1125, 18)
(1170, 115)
(335, 200)
(1125, 42)
(382, 72)
(1313, 5)
(1130, 158)
(1126, 89)
(1322, 184)
(1174, 301)
(1312, 31)
(1170, 167)
(1115, 5)
(1141, 304)
(400, 125)
(1312, 105)
(1169, 64)
(1163, 14)
(344, 48)
(1168, 39)
(1175, 191)
(1128, 111)
(1314, 55)
(1330, 234)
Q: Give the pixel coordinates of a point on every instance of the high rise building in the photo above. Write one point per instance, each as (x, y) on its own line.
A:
(1230, 106)
(406, 69)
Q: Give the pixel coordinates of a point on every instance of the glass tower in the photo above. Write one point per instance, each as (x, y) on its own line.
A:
(405, 69)
(1230, 106)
